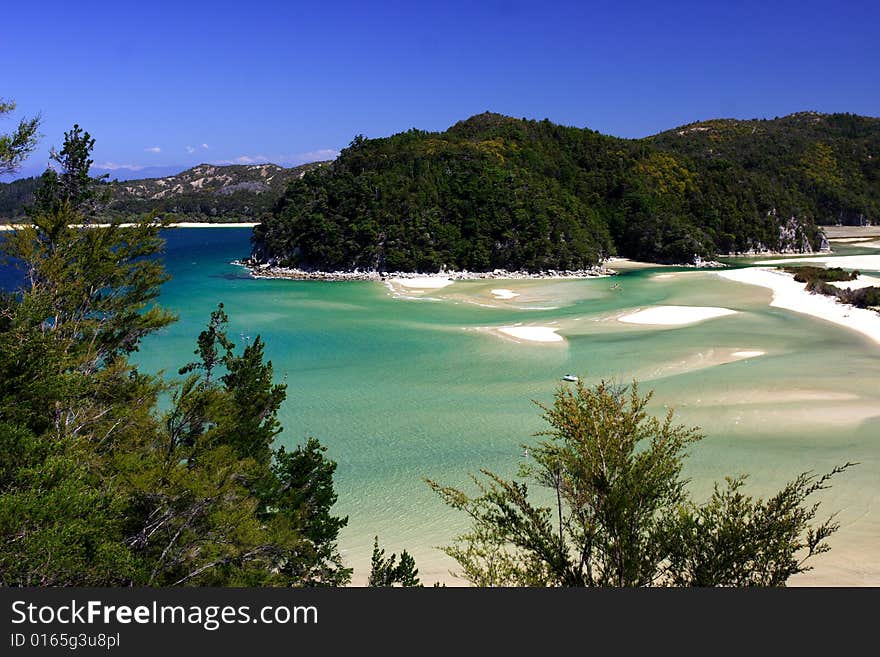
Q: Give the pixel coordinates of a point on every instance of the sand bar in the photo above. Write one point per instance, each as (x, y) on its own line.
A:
(693, 362)
(675, 315)
(748, 354)
(791, 295)
(503, 294)
(533, 333)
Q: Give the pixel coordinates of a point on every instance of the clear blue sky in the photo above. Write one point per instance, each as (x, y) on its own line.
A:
(177, 83)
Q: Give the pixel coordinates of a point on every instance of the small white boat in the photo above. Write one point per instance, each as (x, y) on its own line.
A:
(570, 377)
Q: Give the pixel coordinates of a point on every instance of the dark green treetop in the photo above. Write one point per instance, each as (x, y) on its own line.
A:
(388, 571)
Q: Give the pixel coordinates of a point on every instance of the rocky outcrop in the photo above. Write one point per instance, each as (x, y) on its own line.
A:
(794, 236)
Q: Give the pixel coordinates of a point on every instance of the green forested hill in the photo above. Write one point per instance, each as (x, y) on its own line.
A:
(206, 192)
(14, 196)
(829, 163)
(494, 191)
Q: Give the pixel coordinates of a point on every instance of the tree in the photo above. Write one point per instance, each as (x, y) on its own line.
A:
(88, 300)
(72, 184)
(71, 406)
(59, 522)
(735, 540)
(622, 515)
(388, 572)
(15, 147)
(266, 510)
(98, 485)
(301, 491)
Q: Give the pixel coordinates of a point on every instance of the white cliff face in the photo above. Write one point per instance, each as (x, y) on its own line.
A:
(793, 238)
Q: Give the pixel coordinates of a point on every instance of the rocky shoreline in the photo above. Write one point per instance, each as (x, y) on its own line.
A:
(262, 270)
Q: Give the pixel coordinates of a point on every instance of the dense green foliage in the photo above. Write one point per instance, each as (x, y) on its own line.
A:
(825, 165)
(496, 192)
(622, 515)
(99, 485)
(866, 297)
(808, 274)
(17, 145)
(16, 196)
(203, 193)
(818, 279)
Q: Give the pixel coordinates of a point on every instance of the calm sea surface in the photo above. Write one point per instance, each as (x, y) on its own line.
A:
(400, 389)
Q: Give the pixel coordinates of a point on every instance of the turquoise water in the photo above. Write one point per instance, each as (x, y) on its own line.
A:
(400, 389)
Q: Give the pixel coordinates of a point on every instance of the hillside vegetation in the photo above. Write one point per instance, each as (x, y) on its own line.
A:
(497, 192)
(206, 192)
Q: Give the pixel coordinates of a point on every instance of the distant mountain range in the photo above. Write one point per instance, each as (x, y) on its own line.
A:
(202, 193)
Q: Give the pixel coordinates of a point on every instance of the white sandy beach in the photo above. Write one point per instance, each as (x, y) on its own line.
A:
(791, 295)
(625, 264)
(182, 224)
(532, 333)
(674, 315)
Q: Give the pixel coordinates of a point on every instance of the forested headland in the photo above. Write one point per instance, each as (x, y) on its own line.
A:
(498, 192)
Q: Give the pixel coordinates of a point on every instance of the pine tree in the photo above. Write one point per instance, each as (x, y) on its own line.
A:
(386, 572)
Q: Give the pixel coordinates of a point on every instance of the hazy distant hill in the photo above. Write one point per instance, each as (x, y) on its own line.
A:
(493, 191)
(205, 192)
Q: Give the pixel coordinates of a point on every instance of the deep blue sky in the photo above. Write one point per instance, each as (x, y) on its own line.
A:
(293, 81)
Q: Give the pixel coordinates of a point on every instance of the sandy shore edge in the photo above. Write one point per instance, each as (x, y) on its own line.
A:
(181, 224)
(429, 280)
(791, 295)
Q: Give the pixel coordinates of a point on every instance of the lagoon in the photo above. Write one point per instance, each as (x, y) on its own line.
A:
(403, 384)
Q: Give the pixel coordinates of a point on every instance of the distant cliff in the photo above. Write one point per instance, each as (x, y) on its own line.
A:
(206, 192)
(498, 192)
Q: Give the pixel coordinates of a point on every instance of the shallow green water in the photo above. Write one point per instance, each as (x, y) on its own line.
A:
(401, 389)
